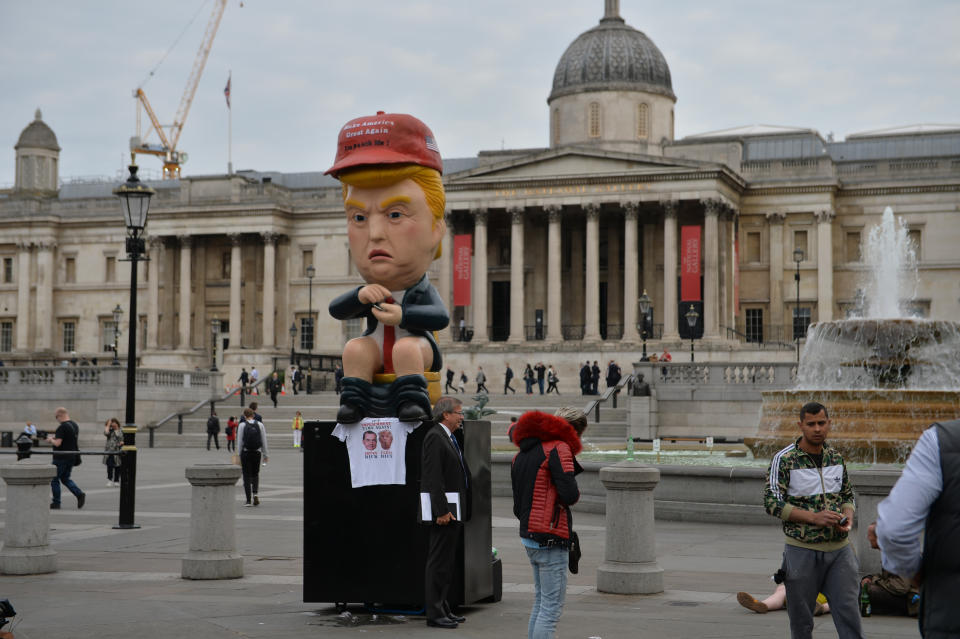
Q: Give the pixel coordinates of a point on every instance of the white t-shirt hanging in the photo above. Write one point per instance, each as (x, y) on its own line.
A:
(377, 449)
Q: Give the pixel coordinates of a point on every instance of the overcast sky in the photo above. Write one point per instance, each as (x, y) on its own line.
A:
(478, 73)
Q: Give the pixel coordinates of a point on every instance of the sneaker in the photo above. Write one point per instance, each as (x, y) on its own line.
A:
(54, 506)
(256, 500)
(116, 483)
(81, 499)
(750, 603)
(110, 483)
(248, 504)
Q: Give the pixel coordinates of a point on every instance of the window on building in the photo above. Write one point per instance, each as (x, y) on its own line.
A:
(754, 325)
(306, 260)
(6, 337)
(107, 328)
(593, 120)
(353, 327)
(800, 243)
(753, 247)
(853, 246)
(8, 270)
(801, 320)
(111, 272)
(914, 235)
(306, 333)
(69, 336)
(70, 271)
(643, 127)
(225, 262)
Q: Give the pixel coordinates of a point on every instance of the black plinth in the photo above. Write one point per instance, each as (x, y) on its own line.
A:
(366, 545)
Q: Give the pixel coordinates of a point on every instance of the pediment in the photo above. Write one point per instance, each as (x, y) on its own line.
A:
(575, 162)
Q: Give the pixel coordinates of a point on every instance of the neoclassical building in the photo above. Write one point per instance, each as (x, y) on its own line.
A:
(564, 238)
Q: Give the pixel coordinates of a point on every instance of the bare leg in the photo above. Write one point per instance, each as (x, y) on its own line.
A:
(361, 357)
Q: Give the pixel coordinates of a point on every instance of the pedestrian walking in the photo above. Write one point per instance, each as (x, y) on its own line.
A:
(213, 429)
(297, 429)
(463, 381)
(231, 432)
(113, 445)
(449, 386)
(252, 438)
(529, 378)
(552, 380)
(274, 386)
(481, 380)
(254, 378)
(65, 439)
(507, 376)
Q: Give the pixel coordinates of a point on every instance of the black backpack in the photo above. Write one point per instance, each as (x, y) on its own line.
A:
(251, 437)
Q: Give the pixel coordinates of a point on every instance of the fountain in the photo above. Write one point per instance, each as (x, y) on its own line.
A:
(884, 377)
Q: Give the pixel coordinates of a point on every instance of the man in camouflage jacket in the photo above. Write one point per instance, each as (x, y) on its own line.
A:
(809, 490)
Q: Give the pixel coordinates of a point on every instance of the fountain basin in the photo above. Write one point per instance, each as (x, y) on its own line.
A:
(867, 425)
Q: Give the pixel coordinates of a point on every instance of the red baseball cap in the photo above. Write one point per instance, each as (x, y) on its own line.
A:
(385, 138)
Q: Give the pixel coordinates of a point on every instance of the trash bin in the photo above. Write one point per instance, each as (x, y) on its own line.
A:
(6, 439)
(24, 443)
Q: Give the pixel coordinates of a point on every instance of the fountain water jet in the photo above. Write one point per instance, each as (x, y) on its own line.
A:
(884, 377)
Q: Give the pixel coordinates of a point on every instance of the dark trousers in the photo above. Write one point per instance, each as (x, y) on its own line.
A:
(483, 387)
(450, 386)
(214, 437)
(64, 468)
(113, 468)
(540, 384)
(507, 386)
(273, 396)
(553, 387)
(250, 464)
(232, 444)
(438, 573)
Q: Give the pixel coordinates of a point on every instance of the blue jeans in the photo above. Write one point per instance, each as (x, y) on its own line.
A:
(550, 585)
(64, 468)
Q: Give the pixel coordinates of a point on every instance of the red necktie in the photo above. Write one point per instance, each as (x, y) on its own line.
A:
(389, 337)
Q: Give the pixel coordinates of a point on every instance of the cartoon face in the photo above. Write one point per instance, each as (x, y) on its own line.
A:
(393, 235)
(370, 440)
(386, 439)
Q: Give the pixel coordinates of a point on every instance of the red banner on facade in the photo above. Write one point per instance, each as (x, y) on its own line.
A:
(689, 263)
(461, 270)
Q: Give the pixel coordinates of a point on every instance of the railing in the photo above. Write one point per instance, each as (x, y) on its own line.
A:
(769, 336)
(612, 392)
(462, 335)
(572, 331)
(534, 333)
(765, 376)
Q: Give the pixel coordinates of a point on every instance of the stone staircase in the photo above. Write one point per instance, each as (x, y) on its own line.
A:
(612, 429)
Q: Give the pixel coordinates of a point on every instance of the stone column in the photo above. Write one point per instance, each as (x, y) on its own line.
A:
(614, 287)
(186, 277)
(670, 331)
(650, 263)
(591, 307)
(479, 275)
(26, 549)
(43, 338)
(711, 269)
(517, 300)
(630, 279)
(775, 221)
(554, 279)
(630, 560)
(213, 542)
(236, 270)
(153, 293)
(23, 296)
(269, 288)
(446, 278)
(825, 265)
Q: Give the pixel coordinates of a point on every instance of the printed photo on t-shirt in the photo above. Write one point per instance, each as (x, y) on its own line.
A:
(376, 448)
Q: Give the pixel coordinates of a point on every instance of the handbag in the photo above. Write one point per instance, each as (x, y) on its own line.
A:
(235, 459)
(575, 552)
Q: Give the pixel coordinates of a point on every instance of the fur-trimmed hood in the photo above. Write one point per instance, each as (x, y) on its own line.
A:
(535, 426)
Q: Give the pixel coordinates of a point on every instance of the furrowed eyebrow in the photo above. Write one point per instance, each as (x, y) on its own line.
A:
(394, 200)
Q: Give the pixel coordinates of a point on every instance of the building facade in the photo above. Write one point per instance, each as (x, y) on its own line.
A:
(565, 238)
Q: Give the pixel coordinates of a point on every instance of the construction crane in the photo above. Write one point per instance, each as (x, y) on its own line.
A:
(167, 149)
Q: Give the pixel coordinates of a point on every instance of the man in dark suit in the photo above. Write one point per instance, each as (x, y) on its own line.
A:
(443, 470)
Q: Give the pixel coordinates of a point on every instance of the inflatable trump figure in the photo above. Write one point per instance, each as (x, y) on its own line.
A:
(390, 168)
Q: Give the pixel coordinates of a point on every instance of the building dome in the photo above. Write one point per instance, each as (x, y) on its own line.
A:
(37, 135)
(612, 56)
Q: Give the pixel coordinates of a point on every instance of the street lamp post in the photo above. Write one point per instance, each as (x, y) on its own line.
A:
(117, 314)
(644, 304)
(311, 272)
(293, 341)
(692, 315)
(135, 201)
(215, 330)
(797, 257)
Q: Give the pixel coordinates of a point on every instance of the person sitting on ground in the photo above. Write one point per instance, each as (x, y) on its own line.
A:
(778, 601)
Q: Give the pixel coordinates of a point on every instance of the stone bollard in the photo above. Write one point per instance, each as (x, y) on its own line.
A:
(26, 549)
(871, 487)
(630, 561)
(213, 540)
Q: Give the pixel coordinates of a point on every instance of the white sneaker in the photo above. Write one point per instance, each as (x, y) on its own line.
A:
(110, 483)
(248, 504)
(116, 483)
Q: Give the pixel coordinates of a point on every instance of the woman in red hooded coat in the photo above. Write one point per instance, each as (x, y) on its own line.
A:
(544, 481)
